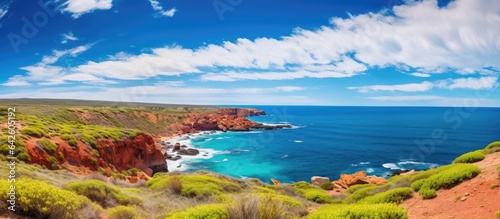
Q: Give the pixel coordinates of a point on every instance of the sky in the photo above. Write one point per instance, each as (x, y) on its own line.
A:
(242, 52)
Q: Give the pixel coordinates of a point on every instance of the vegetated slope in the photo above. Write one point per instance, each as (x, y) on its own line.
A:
(475, 198)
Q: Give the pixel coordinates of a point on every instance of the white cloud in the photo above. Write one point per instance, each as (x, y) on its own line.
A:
(80, 7)
(163, 93)
(407, 98)
(482, 83)
(414, 87)
(421, 75)
(45, 73)
(432, 100)
(461, 37)
(471, 83)
(157, 7)
(3, 12)
(68, 37)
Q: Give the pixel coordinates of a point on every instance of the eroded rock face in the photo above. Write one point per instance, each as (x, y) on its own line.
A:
(241, 112)
(139, 151)
(318, 180)
(189, 151)
(360, 177)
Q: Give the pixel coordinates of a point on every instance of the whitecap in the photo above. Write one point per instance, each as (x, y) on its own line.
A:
(370, 170)
(285, 156)
(391, 166)
(364, 163)
(225, 160)
(298, 141)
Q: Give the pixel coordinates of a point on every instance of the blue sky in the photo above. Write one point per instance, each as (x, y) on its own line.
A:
(316, 52)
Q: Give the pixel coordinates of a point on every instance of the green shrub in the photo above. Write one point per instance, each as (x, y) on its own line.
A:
(493, 145)
(41, 200)
(427, 193)
(209, 211)
(95, 153)
(445, 179)
(361, 194)
(360, 211)
(61, 156)
(470, 157)
(497, 214)
(327, 186)
(53, 162)
(312, 193)
(102, 193)
(196, 185)
(355, 188)
(70, 139)
(24, 156)
(49, 146)
(123, 212)
(395, 196)
(32, 131)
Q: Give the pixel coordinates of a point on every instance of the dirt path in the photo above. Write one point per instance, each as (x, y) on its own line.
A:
(473, 199)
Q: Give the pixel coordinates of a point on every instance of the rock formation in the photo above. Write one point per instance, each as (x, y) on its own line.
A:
(318, 180)
(360, 177)
(139, 152)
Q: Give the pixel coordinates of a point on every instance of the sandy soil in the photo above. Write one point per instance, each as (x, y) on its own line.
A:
(473, 199)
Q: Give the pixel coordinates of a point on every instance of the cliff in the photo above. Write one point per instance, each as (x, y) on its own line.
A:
(139, 151)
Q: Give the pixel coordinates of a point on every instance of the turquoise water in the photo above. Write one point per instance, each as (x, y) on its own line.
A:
(328, 141)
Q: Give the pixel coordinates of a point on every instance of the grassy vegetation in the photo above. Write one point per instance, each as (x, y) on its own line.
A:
(448, 178)
(102, 193)
(47, 145)
(41, 200)
(210, 211)
(194, 185)
(364, 211)
(312, 193)
(470, 157)
(395, 196)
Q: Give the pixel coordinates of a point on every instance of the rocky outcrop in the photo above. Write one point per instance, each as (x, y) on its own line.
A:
(139, 151)
(275, 181)
(226, 120)
(189, 151)
(318, 180)
(360, 177)
(241, 112)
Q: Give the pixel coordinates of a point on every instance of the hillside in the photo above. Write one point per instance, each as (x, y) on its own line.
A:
(86, 160)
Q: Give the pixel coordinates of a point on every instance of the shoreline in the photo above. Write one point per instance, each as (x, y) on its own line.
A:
(167, 146)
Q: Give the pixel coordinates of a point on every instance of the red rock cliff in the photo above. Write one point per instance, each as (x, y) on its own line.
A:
(139, 151)
(241, 112)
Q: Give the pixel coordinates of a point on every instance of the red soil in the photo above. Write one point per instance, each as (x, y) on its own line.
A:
(473, 199)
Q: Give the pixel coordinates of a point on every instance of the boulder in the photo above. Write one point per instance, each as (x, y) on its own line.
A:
(189, 151)
(133, 179)
(275, 181)
(177, 146)
(357, 178)
(318, 180)
(143, 176)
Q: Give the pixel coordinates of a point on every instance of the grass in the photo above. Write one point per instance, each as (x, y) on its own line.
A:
(47, 145)
(312, 193)
(209, 211)
(395, 196)
(195, 185)
(470, 157)
(364, 211)
(41, 200)
(448, 178)
(102, 193)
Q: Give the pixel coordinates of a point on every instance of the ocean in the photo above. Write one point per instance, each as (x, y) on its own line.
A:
(328, 141)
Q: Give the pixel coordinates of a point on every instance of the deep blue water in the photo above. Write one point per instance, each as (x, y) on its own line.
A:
(328, 141)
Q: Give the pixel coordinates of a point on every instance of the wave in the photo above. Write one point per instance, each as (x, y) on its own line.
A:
(370, 170)
(408, 165)
(391, 166)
